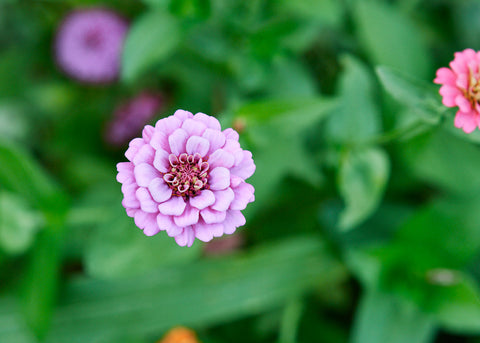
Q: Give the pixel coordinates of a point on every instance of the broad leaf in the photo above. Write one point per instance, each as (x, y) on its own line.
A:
(149, 42)
(390, 38)
(196, 295)
(275, 130)
(419, 96)
(18, 223)
(117, 248)
(457, 306)
(445, 161)
(384, 318)
(362, 178)
(357, 116)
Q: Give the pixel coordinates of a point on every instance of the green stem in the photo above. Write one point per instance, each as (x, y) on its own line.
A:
(290, 321)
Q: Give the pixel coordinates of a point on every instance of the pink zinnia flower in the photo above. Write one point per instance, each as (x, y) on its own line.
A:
(461, 87)
(89, 44)
(187, 177)
(130, 117)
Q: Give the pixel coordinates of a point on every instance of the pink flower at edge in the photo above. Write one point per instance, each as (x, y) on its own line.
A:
(187, 177)
(461, 87)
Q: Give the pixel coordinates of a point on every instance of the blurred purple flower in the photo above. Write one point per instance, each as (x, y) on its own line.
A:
(225, 245)
(89, 45)
(187, 177)
(130, 117)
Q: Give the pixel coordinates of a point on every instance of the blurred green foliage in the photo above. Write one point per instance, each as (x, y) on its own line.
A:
(366, 224)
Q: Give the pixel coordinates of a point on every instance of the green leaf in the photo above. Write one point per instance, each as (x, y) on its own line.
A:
(445, 161)
(13, 122)
(118, 248)
(21, 174)
(275, 129)
(362, 178)
(390, 38)
(40, 286)
(357, 117)
(443, 234)
(458, 307)
(384, 318)
(152, 39)
(290, 321)
(326, 11)
(424, 262)
(421, 97)
(18, 223)
(291, 115)
(196, 295)
(162, 4)
(289, 78)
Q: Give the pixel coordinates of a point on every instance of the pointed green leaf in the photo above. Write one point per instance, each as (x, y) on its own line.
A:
(357, 116)
(362, 178)
(18, 223)
(384, 318)
(150, 41)
(390, 38)
(197, 295)
(421, 97)
(117, 248)
(458, 306)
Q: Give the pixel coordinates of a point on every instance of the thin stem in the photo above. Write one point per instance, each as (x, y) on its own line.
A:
(290, 321)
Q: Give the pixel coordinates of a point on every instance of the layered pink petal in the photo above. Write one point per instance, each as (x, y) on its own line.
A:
(133, 148)
(161, 161)
(188, 217)
(198, 145)
(182, 115)
(209, 121)
(166, 223)
(146, 202)
(206, 232)
(221, 158)
(203, 200)
(145, 173)
(159, 190)
(177, 141)
(232, 134)
(223, 199)
(173, 207)
(211, 216)
(233, 220)
(130, 199)
(186, 238)
(125, 172)
(151, 227)
(466, 121)
(144, 155)
(243, 194)
(168, 125)
(246, 167)
(445, 76)
(216, 138)
(160, 141)
(219, 178)
(462, 103)
(193, 127)
(147, 133)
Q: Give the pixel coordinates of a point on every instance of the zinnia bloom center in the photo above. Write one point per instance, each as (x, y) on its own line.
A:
(188, 174)
(473, 91)
(93, 39)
